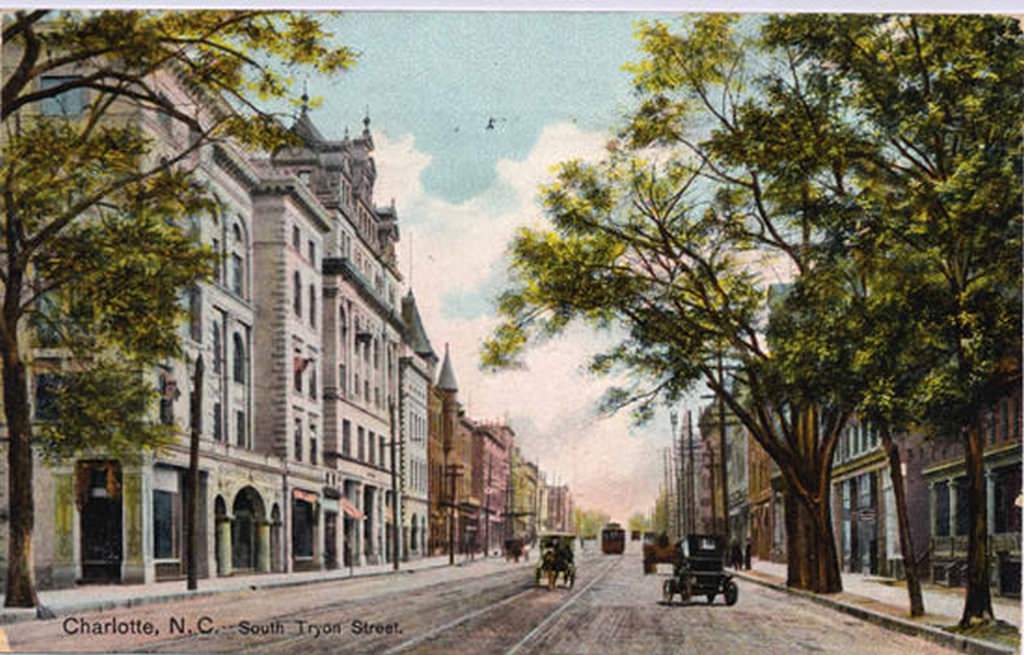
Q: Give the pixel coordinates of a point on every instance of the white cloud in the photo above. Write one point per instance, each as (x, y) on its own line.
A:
(458, 249)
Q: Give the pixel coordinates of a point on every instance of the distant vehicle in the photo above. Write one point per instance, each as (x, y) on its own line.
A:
(613, 539)
(634, 535)
(659, 550)
(556, 559)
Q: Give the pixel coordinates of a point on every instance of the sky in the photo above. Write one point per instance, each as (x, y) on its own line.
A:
(554, 86)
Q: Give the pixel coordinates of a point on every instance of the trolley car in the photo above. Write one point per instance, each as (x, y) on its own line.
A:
(613, 539)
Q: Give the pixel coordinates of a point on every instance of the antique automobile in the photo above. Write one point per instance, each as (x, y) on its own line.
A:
(556, 559)
(613, 539)
(659, 551)
(698, 571)
(515, 548)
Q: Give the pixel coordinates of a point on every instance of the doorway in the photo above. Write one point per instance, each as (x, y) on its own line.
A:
(101, 521)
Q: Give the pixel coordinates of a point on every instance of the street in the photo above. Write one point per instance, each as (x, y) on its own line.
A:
(485, 607)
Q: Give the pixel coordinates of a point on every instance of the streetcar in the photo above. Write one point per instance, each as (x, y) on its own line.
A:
(613, 539)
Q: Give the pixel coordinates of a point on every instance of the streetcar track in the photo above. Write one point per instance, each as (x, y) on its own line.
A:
(386, 612)
(559, 610)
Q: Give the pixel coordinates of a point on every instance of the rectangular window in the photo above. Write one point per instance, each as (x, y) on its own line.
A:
(302, 528)
(346, 438)
(312, 254)
(70, 103)
(47, 385)
(371, 447)
(313, 458)
(1006, 419)
(993, 420)
(163, 525)
(298, 441)
(342, 383)
(217, 274)
(218, 422)
(240, 431)
(362, 444)
(296, 239)
(382, 450)
(962, 514)
(1007, 488)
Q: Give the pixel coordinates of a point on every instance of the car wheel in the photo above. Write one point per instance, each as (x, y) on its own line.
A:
(732, 593)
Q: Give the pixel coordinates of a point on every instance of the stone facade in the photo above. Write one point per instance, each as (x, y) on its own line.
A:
(492, 445)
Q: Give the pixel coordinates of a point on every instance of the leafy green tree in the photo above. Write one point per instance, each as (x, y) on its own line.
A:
(669, 241)
(95, 208)
(638, 522)
(937, 108)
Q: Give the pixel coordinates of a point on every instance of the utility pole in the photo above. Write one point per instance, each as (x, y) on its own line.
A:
(724, 454)
(677, 480)
(692, 503)
(396, 529)
(192, 546)
(487, 509)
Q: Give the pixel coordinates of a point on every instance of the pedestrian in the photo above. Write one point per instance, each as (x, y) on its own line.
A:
(746, 556)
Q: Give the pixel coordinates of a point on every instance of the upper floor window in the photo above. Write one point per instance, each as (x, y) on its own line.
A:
(296, 238)
(297, 293)
(237, 274)
(346, 437)
(167, 388)
(239, 359)
(218, 354)
(312, 254)
(312, 305)
(69, 103)
(298, 440)
(47, 385)
(239, 256)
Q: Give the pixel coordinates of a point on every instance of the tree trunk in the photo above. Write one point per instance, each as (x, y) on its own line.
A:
(978, 598)
(21, 589)
(906, 541)
(192, 521)
(811, 559)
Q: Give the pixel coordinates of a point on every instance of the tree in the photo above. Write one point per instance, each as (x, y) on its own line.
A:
(588, 522)
(96, 249)
(667, 242)
(938, 106)
(638, 522)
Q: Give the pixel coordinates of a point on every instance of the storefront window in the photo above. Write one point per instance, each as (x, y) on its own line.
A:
(1007, 488)
(962, 514)
(302, 528)
(166, 513)
(941, 491)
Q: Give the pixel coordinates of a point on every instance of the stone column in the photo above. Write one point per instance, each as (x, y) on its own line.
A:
(224, 546)
(990, 501)
(953, 511)
(358, 554)
(136, 564)
(263, 546)
(64, 569)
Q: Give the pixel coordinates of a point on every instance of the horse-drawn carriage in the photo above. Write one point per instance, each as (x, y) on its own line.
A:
(698, 571)
(660, 550)
(557, 559)
(516, 548)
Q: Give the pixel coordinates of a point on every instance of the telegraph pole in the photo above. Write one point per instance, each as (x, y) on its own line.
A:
(395, 527)
(722, 448)
(689, 480)
(192, 545)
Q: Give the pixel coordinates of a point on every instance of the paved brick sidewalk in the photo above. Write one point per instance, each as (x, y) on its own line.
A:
(943, 605)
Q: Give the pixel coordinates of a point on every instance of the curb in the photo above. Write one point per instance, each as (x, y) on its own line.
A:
(936, 635)
(22, 615)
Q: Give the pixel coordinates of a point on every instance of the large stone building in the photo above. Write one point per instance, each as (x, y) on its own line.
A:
(764, 488)
(416, 375)
(492, 445)
(303, 340)
(525, 496)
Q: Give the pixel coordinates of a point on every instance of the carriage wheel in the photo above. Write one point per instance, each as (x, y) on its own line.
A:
(666, 592)
(684, 589)
(732, 593)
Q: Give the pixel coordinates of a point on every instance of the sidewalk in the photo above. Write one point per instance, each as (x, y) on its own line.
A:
(87, 598)
(938, 601)
(884, 601)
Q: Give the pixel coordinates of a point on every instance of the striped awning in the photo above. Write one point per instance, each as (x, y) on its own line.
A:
(350, 510)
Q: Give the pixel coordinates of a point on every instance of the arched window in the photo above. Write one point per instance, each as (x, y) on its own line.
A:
(297, 293)
(239, 359)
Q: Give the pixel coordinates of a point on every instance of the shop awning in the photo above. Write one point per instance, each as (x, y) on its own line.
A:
(350, 510)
